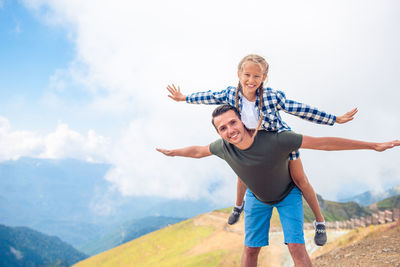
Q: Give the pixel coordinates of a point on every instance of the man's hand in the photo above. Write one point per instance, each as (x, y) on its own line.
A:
(348, 116)
(175, 93)
(166, 152)
(188, 152)
(387, 145)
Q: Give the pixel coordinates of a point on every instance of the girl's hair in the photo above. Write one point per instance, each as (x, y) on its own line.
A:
(265, 67)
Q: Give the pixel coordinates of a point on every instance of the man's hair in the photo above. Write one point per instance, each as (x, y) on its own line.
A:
(223, 109)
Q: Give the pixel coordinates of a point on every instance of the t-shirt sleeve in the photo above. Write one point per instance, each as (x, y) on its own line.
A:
(217, 148)
(290, 141)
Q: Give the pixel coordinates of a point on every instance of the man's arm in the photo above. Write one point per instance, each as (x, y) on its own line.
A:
(335, 143)
(189, 152)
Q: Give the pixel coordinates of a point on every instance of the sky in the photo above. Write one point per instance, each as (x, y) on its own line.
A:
(87, 80)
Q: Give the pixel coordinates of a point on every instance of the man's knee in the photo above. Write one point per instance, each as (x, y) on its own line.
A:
(299, 255)
(298, 249)
(251, 251)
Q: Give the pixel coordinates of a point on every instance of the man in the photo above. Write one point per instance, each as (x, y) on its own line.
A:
(262, 164)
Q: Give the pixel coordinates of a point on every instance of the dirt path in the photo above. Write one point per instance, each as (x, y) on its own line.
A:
(379, 248)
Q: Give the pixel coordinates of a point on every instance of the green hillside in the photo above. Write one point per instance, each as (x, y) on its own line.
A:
(389, 203)
(21, 246)
(335, 211)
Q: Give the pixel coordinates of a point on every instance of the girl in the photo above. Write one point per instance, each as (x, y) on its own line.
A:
(259, 107)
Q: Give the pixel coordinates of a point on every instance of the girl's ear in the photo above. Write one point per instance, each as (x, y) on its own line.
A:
(265, 77)
(238, 74)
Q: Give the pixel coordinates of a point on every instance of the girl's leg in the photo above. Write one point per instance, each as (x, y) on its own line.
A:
(240, 191)
(237, 210)
(300, 179)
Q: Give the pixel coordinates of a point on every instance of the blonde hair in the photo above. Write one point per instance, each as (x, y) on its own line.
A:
(259, 60)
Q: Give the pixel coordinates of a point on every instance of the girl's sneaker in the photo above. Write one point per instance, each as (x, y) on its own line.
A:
(320, 234)
(235, 215)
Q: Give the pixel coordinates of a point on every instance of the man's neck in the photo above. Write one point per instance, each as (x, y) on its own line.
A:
(247, 140)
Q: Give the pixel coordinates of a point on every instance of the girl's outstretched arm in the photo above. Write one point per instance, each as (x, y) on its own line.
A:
(226, 96)
(307, 112)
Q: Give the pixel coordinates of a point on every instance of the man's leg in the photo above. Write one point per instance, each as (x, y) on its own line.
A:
(299, 255)
(237, 210)
(250, 256)
(300, 179)
(291, 213)
(257, 216)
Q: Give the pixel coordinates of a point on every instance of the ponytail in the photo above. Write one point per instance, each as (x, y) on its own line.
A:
(260, 106)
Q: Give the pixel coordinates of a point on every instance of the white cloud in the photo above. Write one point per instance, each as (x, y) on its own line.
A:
(333, 55)
(62, 143)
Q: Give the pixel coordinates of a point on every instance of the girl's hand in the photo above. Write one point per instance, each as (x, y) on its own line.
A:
(348, 116)
(175, 93)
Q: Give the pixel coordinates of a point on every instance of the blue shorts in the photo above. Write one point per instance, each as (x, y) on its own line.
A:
(257, 216)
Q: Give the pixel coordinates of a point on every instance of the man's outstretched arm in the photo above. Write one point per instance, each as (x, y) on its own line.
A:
(189, 152)
(336, 143)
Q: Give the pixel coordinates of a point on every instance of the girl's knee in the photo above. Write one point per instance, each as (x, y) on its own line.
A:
(300, 180)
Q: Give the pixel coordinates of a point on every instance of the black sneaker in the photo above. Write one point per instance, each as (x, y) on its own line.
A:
(320, 234)
(235, 215)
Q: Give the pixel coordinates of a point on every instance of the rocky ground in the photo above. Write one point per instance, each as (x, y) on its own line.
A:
(378, 248)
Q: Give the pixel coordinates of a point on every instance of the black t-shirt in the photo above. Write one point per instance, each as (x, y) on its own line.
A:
(264, 166)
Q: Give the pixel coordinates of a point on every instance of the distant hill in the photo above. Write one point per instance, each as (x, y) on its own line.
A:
(387, 204)
(335, 211)
(369, 197)
(21, 246)
(127, 232)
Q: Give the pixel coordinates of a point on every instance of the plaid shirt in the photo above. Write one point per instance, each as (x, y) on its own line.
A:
(274, 101)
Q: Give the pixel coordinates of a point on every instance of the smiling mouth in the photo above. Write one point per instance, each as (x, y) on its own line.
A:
(234, 136)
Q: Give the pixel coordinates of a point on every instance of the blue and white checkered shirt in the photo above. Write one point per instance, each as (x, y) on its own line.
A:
(274, 101)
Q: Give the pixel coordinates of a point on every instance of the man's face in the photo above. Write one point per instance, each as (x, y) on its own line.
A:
(230, 127)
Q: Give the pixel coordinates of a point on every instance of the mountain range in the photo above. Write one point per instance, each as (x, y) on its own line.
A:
(369, 197)
(71, 199)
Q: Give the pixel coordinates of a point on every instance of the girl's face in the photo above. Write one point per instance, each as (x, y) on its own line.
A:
(251, 76)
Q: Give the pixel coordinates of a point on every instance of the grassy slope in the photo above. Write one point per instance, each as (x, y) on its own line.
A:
(166, 247)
